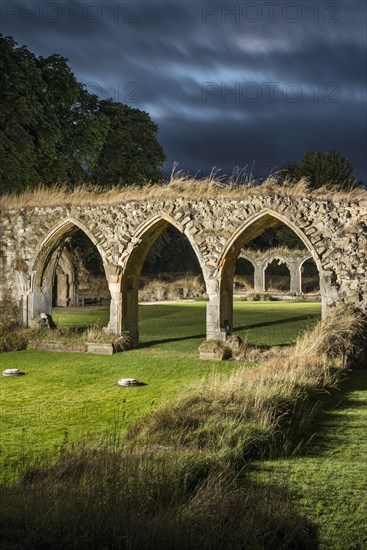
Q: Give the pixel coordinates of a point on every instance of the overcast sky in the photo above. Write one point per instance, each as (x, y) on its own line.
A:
(253, 84)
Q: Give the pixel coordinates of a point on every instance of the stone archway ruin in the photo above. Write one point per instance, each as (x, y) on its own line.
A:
(334, 233)
(64, 291)
(124, 309)
(294, 260)
(247, 231)
(43, 272)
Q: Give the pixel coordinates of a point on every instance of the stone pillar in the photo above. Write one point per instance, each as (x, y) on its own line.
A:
(226, 302)
(24, 309)
(213, 326)
(329, 291)
(259, 277)
(23, 286)
(73, 291)
(62, 289)
(295, 275)
(113, 274)
(226, 310)
(130, 307)
(40, 302)
(41, 295)
(124, 302)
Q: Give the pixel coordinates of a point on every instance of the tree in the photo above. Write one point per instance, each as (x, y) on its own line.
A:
(50, 127)
(276, 237)
(130, 153)
(328, 168)
(19, 81)
(71, 129)
(173, 252)
(53, 131)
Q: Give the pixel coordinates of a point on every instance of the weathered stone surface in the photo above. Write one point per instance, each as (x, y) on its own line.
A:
(127, 382)
(101, 348)
(57, 346)
(335, 235)
(13, 372)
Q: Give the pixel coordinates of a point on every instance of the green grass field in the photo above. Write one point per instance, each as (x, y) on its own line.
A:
(68, 396)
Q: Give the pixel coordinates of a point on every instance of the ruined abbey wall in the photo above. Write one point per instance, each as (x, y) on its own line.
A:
(335, 234)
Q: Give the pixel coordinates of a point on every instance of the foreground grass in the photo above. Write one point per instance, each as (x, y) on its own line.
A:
(176, 481)
(65, 397)
(134, 502)
(327, 483)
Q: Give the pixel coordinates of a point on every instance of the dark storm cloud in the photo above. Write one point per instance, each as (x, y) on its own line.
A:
(228, 83)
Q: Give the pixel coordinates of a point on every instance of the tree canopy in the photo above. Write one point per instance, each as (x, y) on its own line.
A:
(53, 131)
(327, 168)
(130, 152)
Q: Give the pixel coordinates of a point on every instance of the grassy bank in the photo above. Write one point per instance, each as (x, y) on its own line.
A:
(241, 415)
(328, 475)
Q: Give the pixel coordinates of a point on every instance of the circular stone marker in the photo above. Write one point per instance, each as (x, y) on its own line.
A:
(12, 372)
(125, 382)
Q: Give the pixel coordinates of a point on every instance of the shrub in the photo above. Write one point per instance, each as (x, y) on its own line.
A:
(187, 287)
(12, 336)
(8, 315)
(13, 341)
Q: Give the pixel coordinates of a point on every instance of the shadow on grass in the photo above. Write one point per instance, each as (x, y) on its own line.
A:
(310, 435)
(152, 343)
(236, 329)
(278, 322)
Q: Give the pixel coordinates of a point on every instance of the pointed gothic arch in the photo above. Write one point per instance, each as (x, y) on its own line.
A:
(142, 240)
(250, 229)
(44, 267)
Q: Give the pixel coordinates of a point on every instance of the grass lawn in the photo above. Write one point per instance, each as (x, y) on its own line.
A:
(171, 325)
(329, 477)
(65, 397)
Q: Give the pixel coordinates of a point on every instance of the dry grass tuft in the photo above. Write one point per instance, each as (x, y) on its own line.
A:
(334, 336)
(105, 499)
(242, 283)
(186, 287)
(180, 186)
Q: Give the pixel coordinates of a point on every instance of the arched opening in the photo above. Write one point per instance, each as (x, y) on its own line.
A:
(277, 276)
(67, 268)
(244, 276)
(171, 270)
(278, 232)
(310, 277)
(65, 283)
(166, 255)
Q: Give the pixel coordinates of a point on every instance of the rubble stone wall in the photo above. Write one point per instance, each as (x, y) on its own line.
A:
(335, 234)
